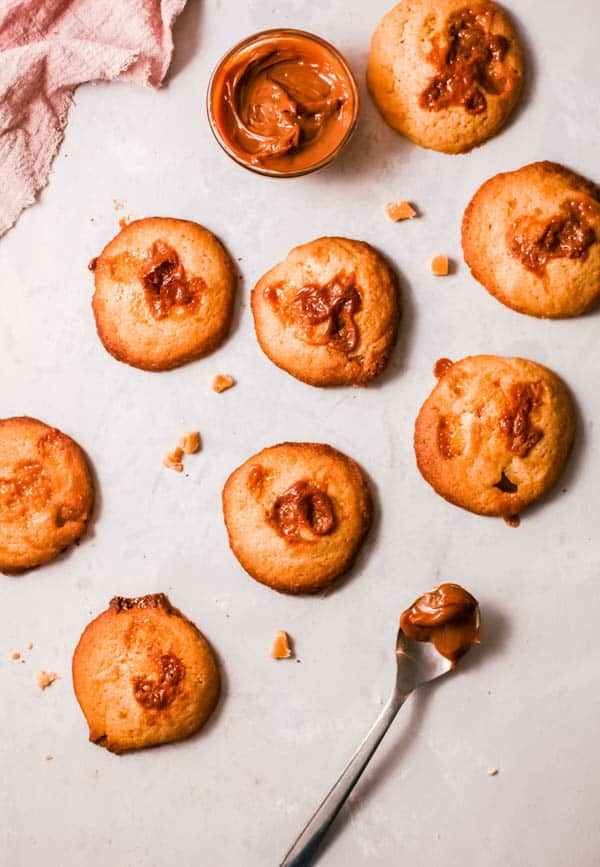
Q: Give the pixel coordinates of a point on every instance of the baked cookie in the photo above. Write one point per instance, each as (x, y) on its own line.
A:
(296, 515)
(46, 493)
(328, 314)
(164, 293)
(532, 238)
(144, 675)
(494, 433)
(445, 73)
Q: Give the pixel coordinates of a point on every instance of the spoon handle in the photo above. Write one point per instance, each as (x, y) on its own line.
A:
(304, 849)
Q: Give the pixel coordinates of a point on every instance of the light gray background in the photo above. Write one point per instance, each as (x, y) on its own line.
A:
(526, 703)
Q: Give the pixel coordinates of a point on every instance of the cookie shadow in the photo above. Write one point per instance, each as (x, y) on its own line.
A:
(399, 360)
(494, 635)
(186, 38)
(530, 72)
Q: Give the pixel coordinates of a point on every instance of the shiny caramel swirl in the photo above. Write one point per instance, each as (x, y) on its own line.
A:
(468, 58)
(285, 102)
(303, 506)
(327, 312)
(567, 234)
(158, 693)
(165, 282)
(448, 617)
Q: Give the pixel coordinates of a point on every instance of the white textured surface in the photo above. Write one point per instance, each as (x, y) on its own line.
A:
(526, 703)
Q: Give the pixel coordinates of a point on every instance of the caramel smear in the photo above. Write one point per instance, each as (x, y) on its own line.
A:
(448, 617)
(190, 442)
(282, 648)
(397, 211)
(46, 678)
(222, 382)
(173, 460)
(440, 266)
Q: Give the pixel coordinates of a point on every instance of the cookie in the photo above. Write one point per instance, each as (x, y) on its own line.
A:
(164, 293)
(532, 238)
(328, 314)
(46, 493)
(296, 515)
(445, 73)
(144, 675)
(494, 433)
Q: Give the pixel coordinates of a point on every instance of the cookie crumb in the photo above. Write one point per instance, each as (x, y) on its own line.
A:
(46, 678)
(440, 266)
(172, 460)
(15, 655)
(281, 645)
(397, 211)
(493, 772)
(190, 442)
(29, 645)
(118, 205)
(222, 382)
(49, 757)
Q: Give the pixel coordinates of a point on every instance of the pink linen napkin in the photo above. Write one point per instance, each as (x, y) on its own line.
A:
(47, 48)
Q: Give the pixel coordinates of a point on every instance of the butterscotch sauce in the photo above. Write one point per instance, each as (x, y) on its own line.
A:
(566, 235)
(303, 506)
(448, 617)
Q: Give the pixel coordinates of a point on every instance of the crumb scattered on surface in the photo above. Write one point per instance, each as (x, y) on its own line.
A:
(190, 442)
(29, 645)
(400, 211)
(118, 205)
(440, 266)
(15, 655)
(172, 460)
(281, 645)
(46, 678)
(492, 772)
(49, 757)
(222, 382)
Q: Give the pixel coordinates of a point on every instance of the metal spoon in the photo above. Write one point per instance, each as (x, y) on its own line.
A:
(417, 663)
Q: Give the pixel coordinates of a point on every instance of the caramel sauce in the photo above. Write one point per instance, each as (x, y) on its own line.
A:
(441, 367)
(159, 693)
(327, 312)
(448, 617)
(165, 282)
(303, 506)
(283, 102)
(516, 423)
(28, 489)
(567, 234)
(468, 59)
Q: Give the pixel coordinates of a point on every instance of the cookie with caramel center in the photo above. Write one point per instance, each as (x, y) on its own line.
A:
(296, 515)
(328, 313)
(46, 493)
(445, 73)
(164, 292)
(144, 675)
(494, 433)
(532, 238)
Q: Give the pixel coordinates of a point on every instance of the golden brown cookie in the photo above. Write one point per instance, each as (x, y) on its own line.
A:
(328, 314)
(164, 293)
(144, 675)
(296, 515)
(445, 73)
(532, 238)
(46, 493)
(494, 433)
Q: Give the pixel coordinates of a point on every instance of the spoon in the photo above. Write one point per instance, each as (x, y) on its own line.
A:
(417, 662)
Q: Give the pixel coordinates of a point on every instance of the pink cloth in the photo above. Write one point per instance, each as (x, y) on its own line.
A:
(47, 48)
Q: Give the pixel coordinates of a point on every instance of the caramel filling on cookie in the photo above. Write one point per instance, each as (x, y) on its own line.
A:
(303, 506)
(516, 423)
(468, 57)
(151, 600)
(448, 617)
(158, 693)
(326, 313)
(166, 285)
(28, 490)
(285, 103)
(566, 235)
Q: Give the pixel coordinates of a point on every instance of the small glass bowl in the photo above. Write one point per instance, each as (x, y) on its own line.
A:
(256, 40)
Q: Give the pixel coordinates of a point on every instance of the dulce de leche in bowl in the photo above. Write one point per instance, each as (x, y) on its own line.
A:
(283, 103)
